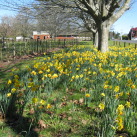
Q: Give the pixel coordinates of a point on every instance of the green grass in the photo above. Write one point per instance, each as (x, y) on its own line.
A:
(66, 117)
(111, 43)
(86, 43)
(5, 72)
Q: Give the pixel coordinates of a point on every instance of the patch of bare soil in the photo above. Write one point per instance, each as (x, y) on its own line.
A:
(1, 81)
(24, 57)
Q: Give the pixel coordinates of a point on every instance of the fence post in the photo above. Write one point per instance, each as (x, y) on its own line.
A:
(37, 45)
(13, 50)
(28, 48)
(50, 45)
(1, 51)
(124, 44)
(64, 43)
(20, 48)
(135, 46)
(113, 43)
(119, 43)
(72, 42)
(25, 46)
(54, 43)
(129, 44)
(59, 43)
(40, 46)
(46, 45)
(8, 52)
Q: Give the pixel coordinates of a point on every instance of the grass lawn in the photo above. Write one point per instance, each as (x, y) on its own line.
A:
(6, 68)
(76, 91)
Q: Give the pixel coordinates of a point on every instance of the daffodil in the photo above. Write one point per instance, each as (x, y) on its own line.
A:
(48, 106)
(34, 100)
(40, 107)
(127, 104)
(116, 88)
(73, 77)
(9, 94)
(40, 72)
(9, 82)
(101, 106)
(20, 94)
(81, 75)
(127, 93)
(42, 102)
(87, 95)
(77, 76)
(31, 84)
(13, 90)
(110, 87)
(102, 94)
(105, 86)
(33, 73)
(133, 86)
(54, 76)
(16, 77)
(121, 94)
(116, 96)
(33, 89)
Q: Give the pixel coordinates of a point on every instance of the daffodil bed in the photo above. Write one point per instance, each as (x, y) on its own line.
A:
(107, 80)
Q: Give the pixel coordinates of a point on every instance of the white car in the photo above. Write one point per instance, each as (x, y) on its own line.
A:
(134, 38)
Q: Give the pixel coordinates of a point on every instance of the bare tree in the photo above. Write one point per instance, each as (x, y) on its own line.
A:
(55, 20)
(104, 13)
(90, 25)
(22, 24)
(5, 27)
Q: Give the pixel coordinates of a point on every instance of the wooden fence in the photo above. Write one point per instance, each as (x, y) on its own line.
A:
(10, 50)
(129, 42)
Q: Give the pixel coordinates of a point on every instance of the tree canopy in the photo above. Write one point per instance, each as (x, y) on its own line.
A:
(103, 12)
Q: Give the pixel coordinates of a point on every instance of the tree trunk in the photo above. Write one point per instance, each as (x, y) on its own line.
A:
(103, 30)
(95, 39)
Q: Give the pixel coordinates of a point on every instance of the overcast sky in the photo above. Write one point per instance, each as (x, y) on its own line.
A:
(122, 25)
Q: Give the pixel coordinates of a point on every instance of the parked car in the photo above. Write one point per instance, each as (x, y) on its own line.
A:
(4, 42)
(4, 47)
(134, 38)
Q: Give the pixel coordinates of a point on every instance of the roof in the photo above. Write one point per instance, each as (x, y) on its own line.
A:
(67, 33)
(40, 33)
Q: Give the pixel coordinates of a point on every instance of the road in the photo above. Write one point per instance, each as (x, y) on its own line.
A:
(127, 41)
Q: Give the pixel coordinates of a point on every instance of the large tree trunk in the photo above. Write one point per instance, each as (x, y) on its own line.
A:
(103, 31)
(95, 39)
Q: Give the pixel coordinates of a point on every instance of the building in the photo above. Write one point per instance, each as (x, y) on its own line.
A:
(41, 35)
(132, 34)
(19, 38)
(67, 36)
